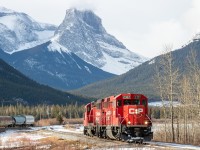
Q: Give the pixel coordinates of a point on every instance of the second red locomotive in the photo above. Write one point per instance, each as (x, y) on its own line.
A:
(123, 117)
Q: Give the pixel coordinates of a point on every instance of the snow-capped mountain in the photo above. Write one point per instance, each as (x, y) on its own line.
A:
(82, 33)
(54, 65)
(19, 31)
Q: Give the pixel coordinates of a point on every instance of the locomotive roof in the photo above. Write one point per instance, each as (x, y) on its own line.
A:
(129, 94)
(117, 96)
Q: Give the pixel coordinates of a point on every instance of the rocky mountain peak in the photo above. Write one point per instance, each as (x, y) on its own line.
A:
(75, 18)
(82, 33)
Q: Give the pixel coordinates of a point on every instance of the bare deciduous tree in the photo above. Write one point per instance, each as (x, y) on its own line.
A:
(168, 82)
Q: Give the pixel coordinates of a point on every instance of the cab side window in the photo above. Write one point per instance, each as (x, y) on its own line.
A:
(88, 108)
(98, 105)
(144, 102)
(112, 104)
(119, 103)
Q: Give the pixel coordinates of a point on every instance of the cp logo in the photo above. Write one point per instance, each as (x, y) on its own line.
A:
(135, 110)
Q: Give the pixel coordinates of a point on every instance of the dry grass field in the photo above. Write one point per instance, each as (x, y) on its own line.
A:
(48, 122)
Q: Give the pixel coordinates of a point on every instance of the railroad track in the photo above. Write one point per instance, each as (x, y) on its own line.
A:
(99, 143)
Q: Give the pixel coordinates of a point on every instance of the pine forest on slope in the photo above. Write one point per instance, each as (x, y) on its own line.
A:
(140, 79)
(17, 88)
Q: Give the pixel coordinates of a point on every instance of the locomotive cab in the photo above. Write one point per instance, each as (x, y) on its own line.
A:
(135, 113)
(135, 123)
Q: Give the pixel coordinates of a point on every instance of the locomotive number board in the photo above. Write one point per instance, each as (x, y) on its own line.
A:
(127, 97)
(137, 97)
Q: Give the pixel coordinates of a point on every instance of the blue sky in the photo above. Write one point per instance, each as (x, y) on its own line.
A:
(144, 26)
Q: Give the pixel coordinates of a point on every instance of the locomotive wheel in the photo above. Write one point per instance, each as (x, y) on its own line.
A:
(124, 137)
(104, 134)
(85, 131)
(141, 141)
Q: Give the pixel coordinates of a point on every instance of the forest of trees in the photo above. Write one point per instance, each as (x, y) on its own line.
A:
(43, 111)
(184, 119)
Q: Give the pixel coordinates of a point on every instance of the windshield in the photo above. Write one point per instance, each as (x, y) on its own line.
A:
(131, 102)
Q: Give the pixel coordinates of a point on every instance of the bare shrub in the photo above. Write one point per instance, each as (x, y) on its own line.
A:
(160, 130)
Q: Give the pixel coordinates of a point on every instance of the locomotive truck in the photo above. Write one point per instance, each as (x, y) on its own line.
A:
(122, 117)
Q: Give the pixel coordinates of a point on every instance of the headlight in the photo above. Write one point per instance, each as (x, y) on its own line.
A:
(146, 122)
(129, 122)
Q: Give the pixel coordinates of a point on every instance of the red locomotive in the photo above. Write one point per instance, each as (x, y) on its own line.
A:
(123, 117)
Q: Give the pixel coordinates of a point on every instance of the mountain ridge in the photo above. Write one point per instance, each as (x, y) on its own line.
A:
(54, 65)
(15, 87)
(19, 31)
(140, 79)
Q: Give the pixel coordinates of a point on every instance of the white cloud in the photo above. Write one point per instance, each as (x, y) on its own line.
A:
(143, 26)
(164, 33)
(82, 5)
(191, 17)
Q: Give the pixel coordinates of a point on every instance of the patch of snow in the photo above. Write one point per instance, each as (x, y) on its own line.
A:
(152, 61)
(69, 26)
(49, 72)
(29, 45)
(113, 65)
(55, 38)
(118, 60)
(160, 103)
(56, 47)
(60, 61)
(76, 63)
(122, 52)
(78, 129)
(87, 69)
(179, 146)
(44, 35)
(60, 75)
(31, 62)
(17, 138)
(9, 21)
(113, 48)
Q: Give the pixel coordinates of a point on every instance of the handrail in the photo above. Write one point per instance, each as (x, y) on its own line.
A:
(148, 118)
(124, 118)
